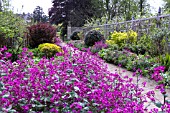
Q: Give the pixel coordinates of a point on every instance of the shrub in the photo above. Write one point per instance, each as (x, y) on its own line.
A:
(121, 38)
(11, 27)
(41, 33)
(49, 50)
(92, 37)
(75, 36)
(160, 36)
(131, 37)
(14, 53)
(36, 52)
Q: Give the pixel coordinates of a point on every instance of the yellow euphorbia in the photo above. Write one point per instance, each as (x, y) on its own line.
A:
(49, 49)
(122, 37)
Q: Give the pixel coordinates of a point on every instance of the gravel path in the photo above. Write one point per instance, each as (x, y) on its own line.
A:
(150, 84)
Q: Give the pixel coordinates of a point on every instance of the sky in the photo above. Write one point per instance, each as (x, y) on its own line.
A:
(30, 5)
(155, 4)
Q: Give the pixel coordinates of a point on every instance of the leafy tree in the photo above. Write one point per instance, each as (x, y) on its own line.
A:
(167, 6)
(0, 5)
(125, 8)
(38, 15)
(12, 28)
(74, 12)
(143, 7)
(4, 4)
(44, 18)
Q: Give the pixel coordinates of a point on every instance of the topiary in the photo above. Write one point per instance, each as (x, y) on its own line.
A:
(74, 36)
(49, 50)
(41, 33)
(93, 36)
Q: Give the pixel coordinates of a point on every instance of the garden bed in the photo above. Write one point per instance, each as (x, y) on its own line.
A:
(72, 81)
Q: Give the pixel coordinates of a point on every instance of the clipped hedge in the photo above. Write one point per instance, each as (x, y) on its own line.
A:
(92, 37)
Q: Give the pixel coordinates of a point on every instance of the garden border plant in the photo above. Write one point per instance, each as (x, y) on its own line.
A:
(69, 82)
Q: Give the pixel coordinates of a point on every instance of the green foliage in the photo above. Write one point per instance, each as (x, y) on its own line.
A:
(15, 53)
(75, 36)
(108, 53)
(122, 38)
(165, 61)
(38, 15)
(79, 44)
(98, 21)
(126, 59)
(92, 37)
(41, 33)
(49, 50)
(143, 46)
(125, 10)
(36, 52)
(11, 26)
(160, 37)
(167, 6)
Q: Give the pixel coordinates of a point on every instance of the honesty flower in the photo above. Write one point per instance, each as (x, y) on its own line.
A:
(77, 82)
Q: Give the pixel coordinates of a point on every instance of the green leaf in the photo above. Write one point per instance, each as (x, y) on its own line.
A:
(5, 96)
(73, 94)
(86, 108)
(69, 71)
(3, 74)
(158, 104)
(47, 99)
(165, 95)
(168, 101)
(12, 111)
(76, 88)
(1, 84)
(40, 106)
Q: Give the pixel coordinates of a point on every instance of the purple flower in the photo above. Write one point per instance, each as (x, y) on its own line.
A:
(71, 82)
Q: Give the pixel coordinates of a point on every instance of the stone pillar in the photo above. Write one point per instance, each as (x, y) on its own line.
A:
(68, 30)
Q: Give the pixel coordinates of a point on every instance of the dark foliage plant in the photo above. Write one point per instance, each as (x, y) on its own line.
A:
(74, 36)
(92, 37)
(41, 33)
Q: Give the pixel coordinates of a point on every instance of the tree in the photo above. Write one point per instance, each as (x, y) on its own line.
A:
(11, 26)
(0, 5)
(38, 15)
(125, 8)
(74, 12)
(4, 5)
(167, 6)
(143, 7)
